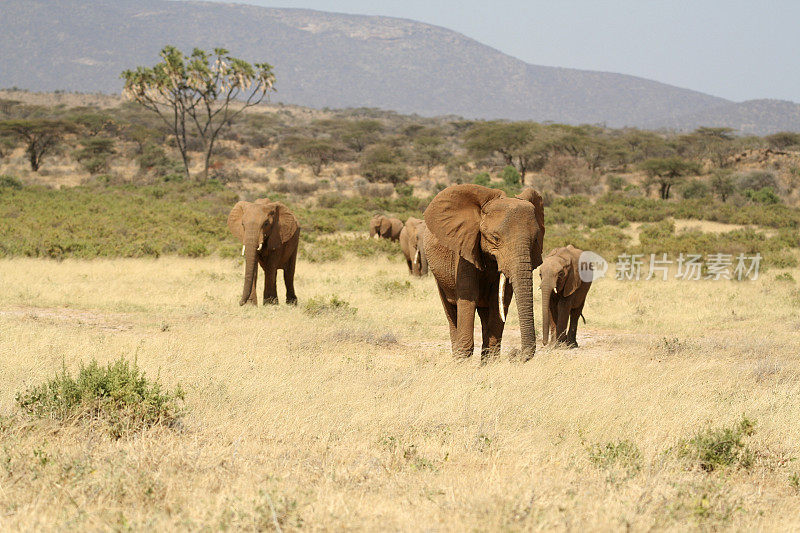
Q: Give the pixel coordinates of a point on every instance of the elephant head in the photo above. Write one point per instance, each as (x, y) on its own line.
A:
(375, 225)
(559, 273)
(412, 243)
(262, 226)
(487, 228)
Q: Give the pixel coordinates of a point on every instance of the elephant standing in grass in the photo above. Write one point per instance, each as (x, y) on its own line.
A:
(481, 247)
(270, 235)
(563, 294)
(412, 244)
(385, 227)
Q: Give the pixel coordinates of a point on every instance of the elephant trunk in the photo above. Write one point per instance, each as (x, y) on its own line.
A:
(423, 261)
(250, 265)
(548, 285)
(523, 290)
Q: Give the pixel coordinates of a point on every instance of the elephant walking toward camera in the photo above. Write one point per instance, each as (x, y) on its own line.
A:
(412, 244)
(482, 247)
(563, 294)
(385, 227)
(270, 235)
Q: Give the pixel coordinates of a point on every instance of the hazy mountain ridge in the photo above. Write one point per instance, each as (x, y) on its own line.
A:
(335, 60)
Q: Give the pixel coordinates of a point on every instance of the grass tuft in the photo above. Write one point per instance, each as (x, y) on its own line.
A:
(320, 305)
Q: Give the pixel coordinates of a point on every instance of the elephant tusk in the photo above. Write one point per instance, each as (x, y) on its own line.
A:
(501, 293)
(243, 250)
(260, 245)
(416, 257)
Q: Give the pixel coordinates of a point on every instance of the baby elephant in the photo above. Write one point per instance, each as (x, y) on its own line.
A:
(563, 294)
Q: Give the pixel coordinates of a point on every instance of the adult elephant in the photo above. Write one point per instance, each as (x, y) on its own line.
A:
(563, 294)
(270, 234)
(412, 244)
(385, 227)
(482, 246)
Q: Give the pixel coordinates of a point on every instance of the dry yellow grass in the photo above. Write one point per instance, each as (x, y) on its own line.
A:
(363, 421)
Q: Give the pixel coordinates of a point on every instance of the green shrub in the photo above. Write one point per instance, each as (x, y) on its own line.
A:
(118, 395)
(657, 232)
(404, 190)
(511, 176)
(194, 249)
(9, 182)
(481, 178)
(715, 448)
(320, 305)
(94, 154)
(785, 277)
(623, 454)
(757, 180)
(154, 159)
(696, 189)
(322, 250)
(103, 220)
(392, 287)
(765, 195)
(615, 183)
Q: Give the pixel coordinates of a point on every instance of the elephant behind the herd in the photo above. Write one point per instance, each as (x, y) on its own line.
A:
(412, 245)
(385, 227)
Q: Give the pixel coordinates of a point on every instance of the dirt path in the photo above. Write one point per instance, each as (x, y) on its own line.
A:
(107, 321)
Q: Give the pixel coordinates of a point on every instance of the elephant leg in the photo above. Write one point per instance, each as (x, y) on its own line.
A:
(574, 315)
(253, 300)
(492, 332)
(410, 268)
(288, 280)
(553, 318)
(562, 320)
(270, 284)
(451, 314)
(465, 329)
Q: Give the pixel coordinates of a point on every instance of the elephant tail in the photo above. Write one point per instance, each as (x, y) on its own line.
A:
(584, 318)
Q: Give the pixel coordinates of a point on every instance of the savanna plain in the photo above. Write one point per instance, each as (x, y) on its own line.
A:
(348, 412)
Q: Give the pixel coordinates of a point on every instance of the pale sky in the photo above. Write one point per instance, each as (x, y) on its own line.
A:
(736, 49)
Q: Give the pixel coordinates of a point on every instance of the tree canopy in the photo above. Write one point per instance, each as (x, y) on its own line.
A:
(203, 91)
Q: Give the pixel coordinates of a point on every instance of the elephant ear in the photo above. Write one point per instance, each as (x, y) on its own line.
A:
(532, 195)
(235, 220)
(386, 226)
(570, 276)
(454, 217)
(412, 227)
(284, 226)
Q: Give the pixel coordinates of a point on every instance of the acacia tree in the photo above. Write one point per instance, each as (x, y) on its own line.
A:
(523, 145)
(40, 136)
(668, 171)
(429, 151)
(722, 184)
(202, 92)
(506, 138)
(316, 153)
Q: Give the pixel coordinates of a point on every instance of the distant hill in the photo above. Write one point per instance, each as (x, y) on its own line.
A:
(756, 117)
(334, 60)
